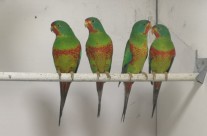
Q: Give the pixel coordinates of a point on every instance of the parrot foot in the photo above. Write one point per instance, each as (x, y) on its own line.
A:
(153, 76)
(59, 74)
(145, 74)
(130, 76)
(98, 75)
(166, 76)
(72, 75)
(108, 75)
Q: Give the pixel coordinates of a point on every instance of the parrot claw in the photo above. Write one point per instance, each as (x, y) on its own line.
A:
(72, 75)
(98, 75)
(166, 76)
(145, 74)
(153, 76)
(122, 118)
(108, 75)
(59, 74)
(130, 76)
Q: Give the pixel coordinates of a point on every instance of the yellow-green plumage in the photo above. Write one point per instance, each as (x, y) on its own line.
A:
(136, 52)
(68, 61)
(66, 55)
(161, 56)
(99, 49)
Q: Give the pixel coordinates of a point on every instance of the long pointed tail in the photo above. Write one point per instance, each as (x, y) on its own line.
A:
(99, 86)
(128, 87)
(64, 87)
(156, 89)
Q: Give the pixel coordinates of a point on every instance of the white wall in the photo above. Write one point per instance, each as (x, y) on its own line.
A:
(32, 108)
(183, 105)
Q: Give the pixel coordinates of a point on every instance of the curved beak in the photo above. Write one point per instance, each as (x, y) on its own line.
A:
(54, 29)
(148, 27)
(155, 31)
(87, 22)
(51, 28)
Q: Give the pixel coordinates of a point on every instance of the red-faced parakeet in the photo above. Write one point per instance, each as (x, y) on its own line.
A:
(135, 54)
(99, 49)
(161, 56)
(66, 54)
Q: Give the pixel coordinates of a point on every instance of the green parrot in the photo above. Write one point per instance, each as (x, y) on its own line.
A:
(66, 54)
(161, 56)
(99, 49)
(135, 54)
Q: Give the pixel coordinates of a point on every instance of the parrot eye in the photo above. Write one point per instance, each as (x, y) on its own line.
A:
(58, 25)
(92, 21)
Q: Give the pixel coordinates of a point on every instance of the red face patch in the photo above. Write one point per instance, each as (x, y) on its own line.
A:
(148, 27)
(89, 25)
(55, 29)
(155, 32)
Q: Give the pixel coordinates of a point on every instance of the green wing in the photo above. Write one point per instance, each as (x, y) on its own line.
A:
(150, 59)
(170, 64)
(78, 60)
(108, 60)
(127, 58)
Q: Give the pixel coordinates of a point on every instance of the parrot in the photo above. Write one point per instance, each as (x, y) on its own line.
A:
(136, 52)
(99, 50)
(66, 55)
(161, 56)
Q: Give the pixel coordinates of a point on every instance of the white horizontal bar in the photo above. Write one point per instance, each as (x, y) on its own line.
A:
(90, 77)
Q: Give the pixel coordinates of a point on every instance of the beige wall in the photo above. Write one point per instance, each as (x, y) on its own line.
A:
(183, 106)
(32, 108)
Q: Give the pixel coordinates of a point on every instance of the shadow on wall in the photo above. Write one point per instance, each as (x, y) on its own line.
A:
(178, 104)
(45, 115)
(88, 122)
(79, 115)
(185, 104)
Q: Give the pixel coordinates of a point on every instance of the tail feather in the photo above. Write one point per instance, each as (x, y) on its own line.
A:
(99, 86)
(64, 87)
(128, 87)
(156, 89)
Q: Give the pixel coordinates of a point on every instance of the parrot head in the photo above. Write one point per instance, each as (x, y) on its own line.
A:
(141, 27)
(160, 31)
(61, 28)
(93, 24)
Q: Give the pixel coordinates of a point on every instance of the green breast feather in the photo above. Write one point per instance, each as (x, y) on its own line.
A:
(161, 61)
(98, 39)
(163, 44)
